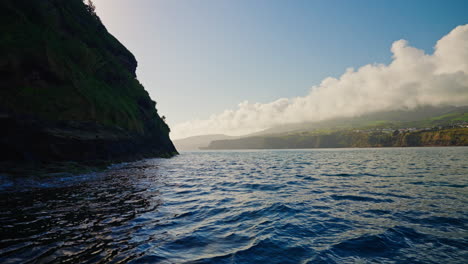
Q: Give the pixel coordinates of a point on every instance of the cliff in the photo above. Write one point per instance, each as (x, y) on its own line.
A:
(68, 89)
(348, 139)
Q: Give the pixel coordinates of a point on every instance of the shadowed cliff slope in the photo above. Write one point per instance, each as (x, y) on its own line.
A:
(68, 88)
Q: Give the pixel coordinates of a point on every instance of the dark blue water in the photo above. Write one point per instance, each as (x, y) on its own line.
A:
(305, 206)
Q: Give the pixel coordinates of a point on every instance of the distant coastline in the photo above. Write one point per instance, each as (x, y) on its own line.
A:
(349, 139)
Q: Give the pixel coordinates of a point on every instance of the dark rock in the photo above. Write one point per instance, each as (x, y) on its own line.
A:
(68, 89)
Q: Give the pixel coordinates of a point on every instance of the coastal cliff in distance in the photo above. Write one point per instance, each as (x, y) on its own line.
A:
(424, 126)
(349, 139)
(68, 89)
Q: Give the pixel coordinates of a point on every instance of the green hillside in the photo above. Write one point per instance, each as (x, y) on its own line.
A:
(65, 82)
(446, 129)
(348, 139)
(421, 117)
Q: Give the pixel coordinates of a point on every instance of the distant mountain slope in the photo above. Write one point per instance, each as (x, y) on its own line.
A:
(420, 117)
(198, 142)
(68, 88)
(348, 139)
(446, 126)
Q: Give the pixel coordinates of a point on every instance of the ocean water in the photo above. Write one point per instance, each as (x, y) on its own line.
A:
(392, 205)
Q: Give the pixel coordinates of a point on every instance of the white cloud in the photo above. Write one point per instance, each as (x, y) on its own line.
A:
(413, 78)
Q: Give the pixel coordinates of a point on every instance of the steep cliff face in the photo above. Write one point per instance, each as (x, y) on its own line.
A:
(68, 88)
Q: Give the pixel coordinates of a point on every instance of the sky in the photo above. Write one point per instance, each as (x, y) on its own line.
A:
(234, 67)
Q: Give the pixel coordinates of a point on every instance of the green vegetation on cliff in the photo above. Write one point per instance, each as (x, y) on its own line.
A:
(420, 117)
(70, 82)
(423, 126)
(349, 139)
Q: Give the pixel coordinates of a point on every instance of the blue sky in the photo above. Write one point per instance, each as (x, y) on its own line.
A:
(200, 57)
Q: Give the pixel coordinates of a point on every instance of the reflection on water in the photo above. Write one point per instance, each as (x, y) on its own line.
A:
(91, 221)
(304, 206)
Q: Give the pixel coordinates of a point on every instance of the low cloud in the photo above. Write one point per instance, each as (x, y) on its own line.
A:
(412, 79)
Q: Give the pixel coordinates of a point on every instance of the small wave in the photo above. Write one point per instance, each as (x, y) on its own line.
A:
(368, 247)
(440, 222)
(307, 178)
(439, 183)
(261, 187)
(259, 250)
(387, 246)
(340, 174)
(351, 174)
(272, 210)
(379, 212)
(360, 198)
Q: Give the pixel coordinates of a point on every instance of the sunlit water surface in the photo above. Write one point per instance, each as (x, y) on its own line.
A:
(295, 206)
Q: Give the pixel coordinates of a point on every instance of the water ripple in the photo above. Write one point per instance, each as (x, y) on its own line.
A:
(317, 206)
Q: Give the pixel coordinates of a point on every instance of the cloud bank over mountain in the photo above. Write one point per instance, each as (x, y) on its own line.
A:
(412, 79)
